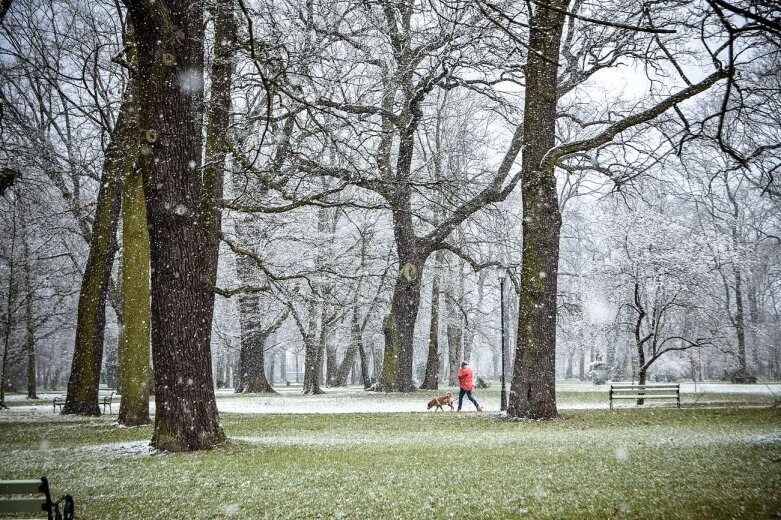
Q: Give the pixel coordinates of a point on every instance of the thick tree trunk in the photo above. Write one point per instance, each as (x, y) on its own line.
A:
(134, 340)
(133, 349)
(252, 375)
(170, 48)
(399, 330)
(431, 379)
(82, 395)
(399, 325)
(533, 388)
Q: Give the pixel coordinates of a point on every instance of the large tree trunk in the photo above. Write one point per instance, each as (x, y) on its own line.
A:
(82, 395)
(133, 350)
(399, 325)
(399, 330)
(252, 375)
(134, 340)
(170, 49)
(533, 388)
(431, 379)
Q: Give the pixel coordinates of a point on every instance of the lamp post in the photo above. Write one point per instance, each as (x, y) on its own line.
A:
(503, 398)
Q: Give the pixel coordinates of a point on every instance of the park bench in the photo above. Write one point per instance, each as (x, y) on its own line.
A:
(105, 396)
(15, 497)
(658, 391)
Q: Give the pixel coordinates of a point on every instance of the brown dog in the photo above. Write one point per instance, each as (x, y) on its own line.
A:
(441, 401)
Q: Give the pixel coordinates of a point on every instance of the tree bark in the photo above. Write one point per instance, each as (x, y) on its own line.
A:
(218, 123)
(133, 351)
(170, 50)
(29, 316)
(134, 340)
(431, 379)
(82, 395)
(9, 313)
(399, 330)
(312, 352)
(356, 346)
(533, 388)
(253, 344)
(331, 366)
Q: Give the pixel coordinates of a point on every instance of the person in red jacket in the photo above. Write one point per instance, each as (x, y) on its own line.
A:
(466, 384)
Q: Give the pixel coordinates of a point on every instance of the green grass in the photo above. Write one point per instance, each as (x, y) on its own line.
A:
(656, 463)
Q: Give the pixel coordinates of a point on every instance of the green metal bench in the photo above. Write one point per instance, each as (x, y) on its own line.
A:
(105, 397)
(642, 392)
(15, 498)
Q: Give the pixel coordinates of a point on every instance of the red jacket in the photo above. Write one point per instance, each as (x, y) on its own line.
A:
(465, 379)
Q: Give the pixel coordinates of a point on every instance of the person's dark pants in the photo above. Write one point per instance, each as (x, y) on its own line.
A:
(461, 398)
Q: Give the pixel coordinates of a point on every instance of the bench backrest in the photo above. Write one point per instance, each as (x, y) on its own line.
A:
(624, 386)
(16, 504)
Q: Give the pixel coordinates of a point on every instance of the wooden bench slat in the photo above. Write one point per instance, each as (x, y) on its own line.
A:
(625, 387)
(647, 392)
(20, 487)
(645, 396)
(666, 389)
(653, 391)
(22, 505)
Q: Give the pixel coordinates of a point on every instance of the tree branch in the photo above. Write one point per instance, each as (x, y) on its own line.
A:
(556, 153)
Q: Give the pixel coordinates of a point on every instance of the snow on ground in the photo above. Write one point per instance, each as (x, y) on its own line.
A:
(289, 400)
(130, 448)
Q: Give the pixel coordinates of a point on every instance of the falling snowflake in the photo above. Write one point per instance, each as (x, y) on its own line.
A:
(191, 81)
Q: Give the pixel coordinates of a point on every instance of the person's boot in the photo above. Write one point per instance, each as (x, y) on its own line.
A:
(479, 408)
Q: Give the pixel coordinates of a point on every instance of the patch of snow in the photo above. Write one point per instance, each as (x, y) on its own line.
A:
(132, 448)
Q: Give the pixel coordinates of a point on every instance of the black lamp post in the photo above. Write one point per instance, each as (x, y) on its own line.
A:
(503, 398)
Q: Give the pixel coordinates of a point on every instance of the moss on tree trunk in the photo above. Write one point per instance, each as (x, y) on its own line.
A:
(133, 352)
(82, 395)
